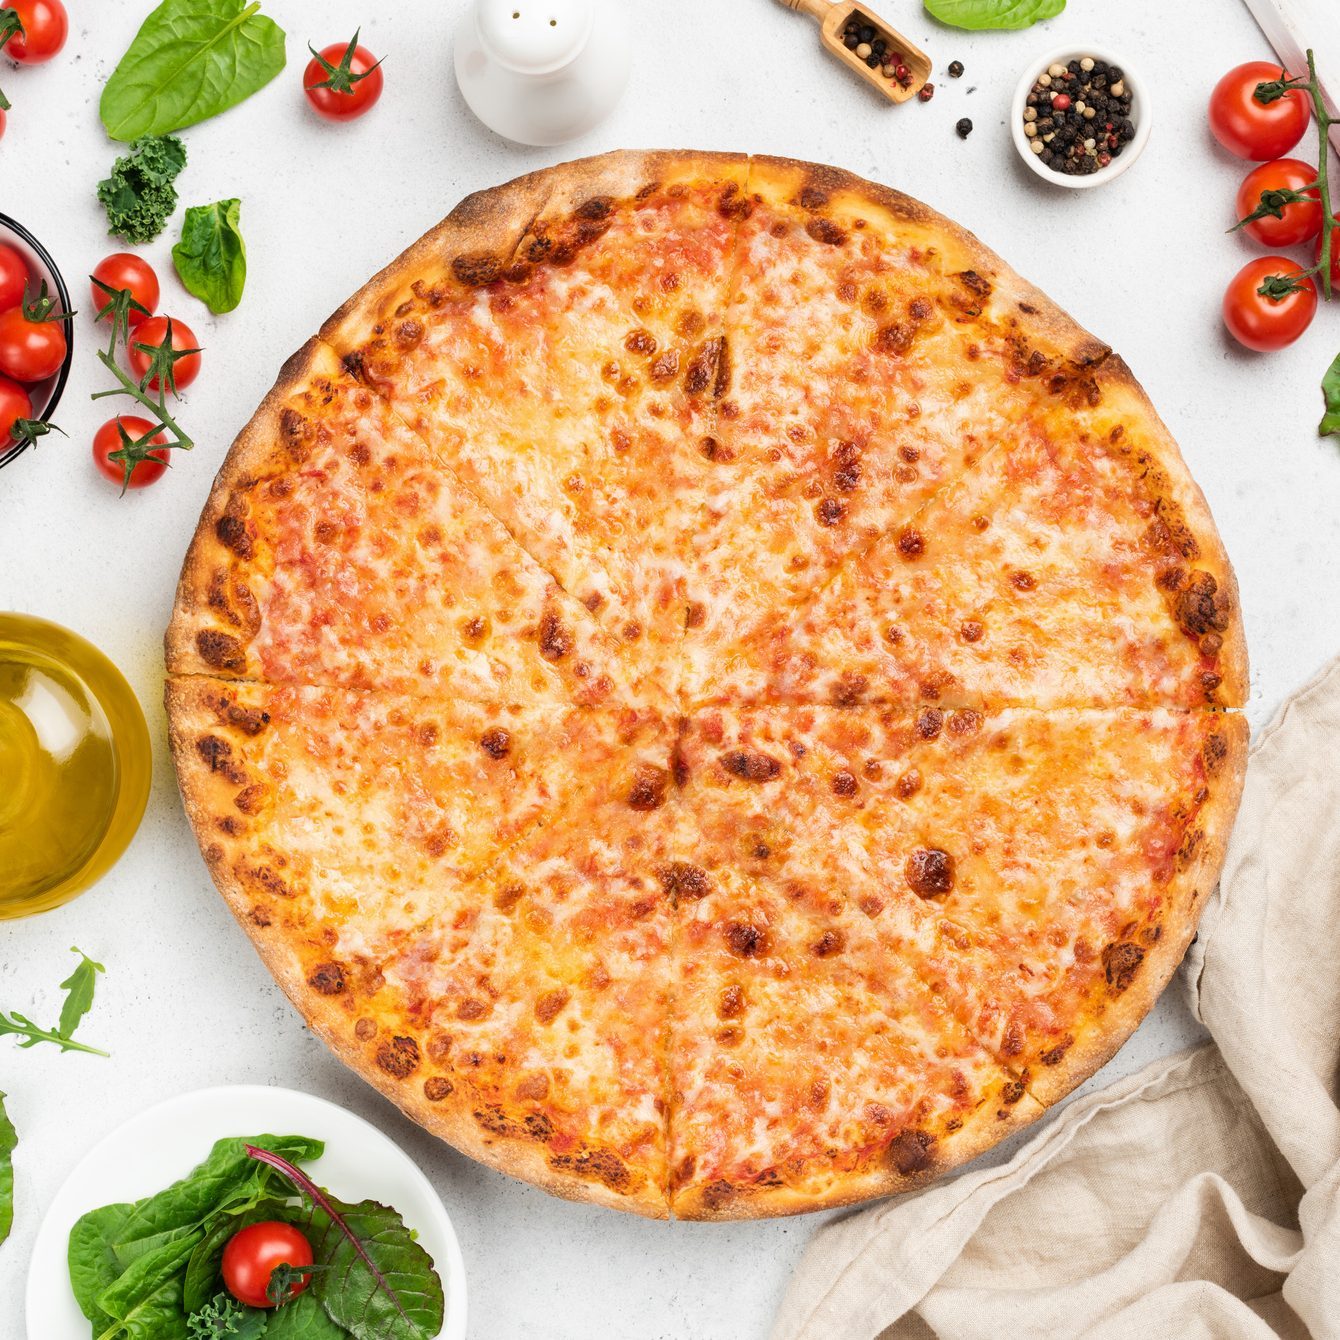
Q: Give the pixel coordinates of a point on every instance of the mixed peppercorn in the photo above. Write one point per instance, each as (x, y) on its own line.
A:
(1078, 116)
(868, 43)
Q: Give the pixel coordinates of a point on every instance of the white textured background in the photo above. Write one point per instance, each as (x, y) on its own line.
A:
(1142, 263)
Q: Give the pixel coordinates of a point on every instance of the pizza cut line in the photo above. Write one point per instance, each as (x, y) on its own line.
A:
(708, 690)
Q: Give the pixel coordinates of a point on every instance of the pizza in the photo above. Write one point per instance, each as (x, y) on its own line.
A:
(709, 691)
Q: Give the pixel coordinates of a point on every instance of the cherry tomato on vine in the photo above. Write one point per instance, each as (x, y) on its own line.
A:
(1253, 129)
(145, 464)
(32, 347)
(253, 1253)
(123, 269)
(14, 404)
(45, 28)
(1298, 222)
(1261, 322)
(13, 277)
(342, 81)
(153, 332)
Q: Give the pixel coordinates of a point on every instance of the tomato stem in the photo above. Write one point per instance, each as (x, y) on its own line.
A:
(1271, 91)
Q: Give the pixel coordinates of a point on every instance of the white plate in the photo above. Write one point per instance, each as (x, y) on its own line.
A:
(156, 1148)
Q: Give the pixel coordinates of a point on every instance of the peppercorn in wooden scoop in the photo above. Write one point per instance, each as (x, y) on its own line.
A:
(863, 42)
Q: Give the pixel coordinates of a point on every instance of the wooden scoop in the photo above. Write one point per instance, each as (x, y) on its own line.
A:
(834, 15)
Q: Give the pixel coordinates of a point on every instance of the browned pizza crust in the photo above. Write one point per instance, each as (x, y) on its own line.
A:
(1187, 892)
(497, 235)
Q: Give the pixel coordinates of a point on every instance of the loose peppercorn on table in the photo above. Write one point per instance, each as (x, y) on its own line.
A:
(708, 690)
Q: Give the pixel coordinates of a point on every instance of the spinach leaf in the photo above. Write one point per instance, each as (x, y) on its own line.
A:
(190, 60)
(9, 1139)
(149, 1289)
(139, 196)
(211, 257)
(1330, 388)
(975, 14)
(119, 1242)
(303, 1319)
(79, 987)
(223, 1318)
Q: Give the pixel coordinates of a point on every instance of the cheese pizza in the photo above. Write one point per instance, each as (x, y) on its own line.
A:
(708, 690)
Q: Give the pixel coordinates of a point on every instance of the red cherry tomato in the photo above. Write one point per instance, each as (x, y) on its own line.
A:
(1265, 323)
(1252, 129)
(353, 87)
(142, 473)
(252, 1254)
(45, 28)
(1298, 222)
(13, 277)
(122, 269)
(1335, 251)
(30, 351)
(154, 332)
(14, 404)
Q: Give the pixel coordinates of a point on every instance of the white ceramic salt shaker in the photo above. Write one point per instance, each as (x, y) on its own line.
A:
(543, 71)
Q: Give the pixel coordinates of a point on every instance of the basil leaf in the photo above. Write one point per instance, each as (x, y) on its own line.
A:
(378, 1282)
(974, 14)
(9, 1139)
(1330, 388)
(79, 987)
(211, 257)
(190, 60)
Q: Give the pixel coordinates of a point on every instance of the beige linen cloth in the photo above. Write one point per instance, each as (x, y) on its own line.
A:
(1196, 1200)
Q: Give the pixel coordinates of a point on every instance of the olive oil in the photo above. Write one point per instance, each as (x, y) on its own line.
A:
(75, 764)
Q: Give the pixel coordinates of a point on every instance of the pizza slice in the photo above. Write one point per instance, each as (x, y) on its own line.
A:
(1042, 871)
(335, 550)
(875, 355)
(570, 376)
(1075, 566)
(538, 991)
(465, 902)
(809, 1067)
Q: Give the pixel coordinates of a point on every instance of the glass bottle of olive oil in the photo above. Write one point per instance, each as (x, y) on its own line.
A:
(75, 764)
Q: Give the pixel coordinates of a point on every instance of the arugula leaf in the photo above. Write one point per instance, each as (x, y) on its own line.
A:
(79, 987)
(190, 60)
(9, 1139)
(138, 195)
(1330, 388)
(211, 257)
(975, 14)
(224, 1318)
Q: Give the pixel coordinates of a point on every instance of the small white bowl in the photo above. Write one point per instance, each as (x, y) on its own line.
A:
(160, 1145)
(1141, 114)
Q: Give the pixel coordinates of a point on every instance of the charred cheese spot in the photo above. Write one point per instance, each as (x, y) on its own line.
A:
(930, 872)
(476, 270)
(496, 743)
(220, 650)
(731, 1003)
(550, 1005)
(327, 978)
(681, 880)
(746, 940)
(1121, 961)
(828, 944)
(399, 1057)
(911, 1152)
(556, 639)
(649, 789)
(751, 766)
(437, 1088)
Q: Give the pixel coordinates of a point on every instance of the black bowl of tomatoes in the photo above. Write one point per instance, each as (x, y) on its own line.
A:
(36, 335)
